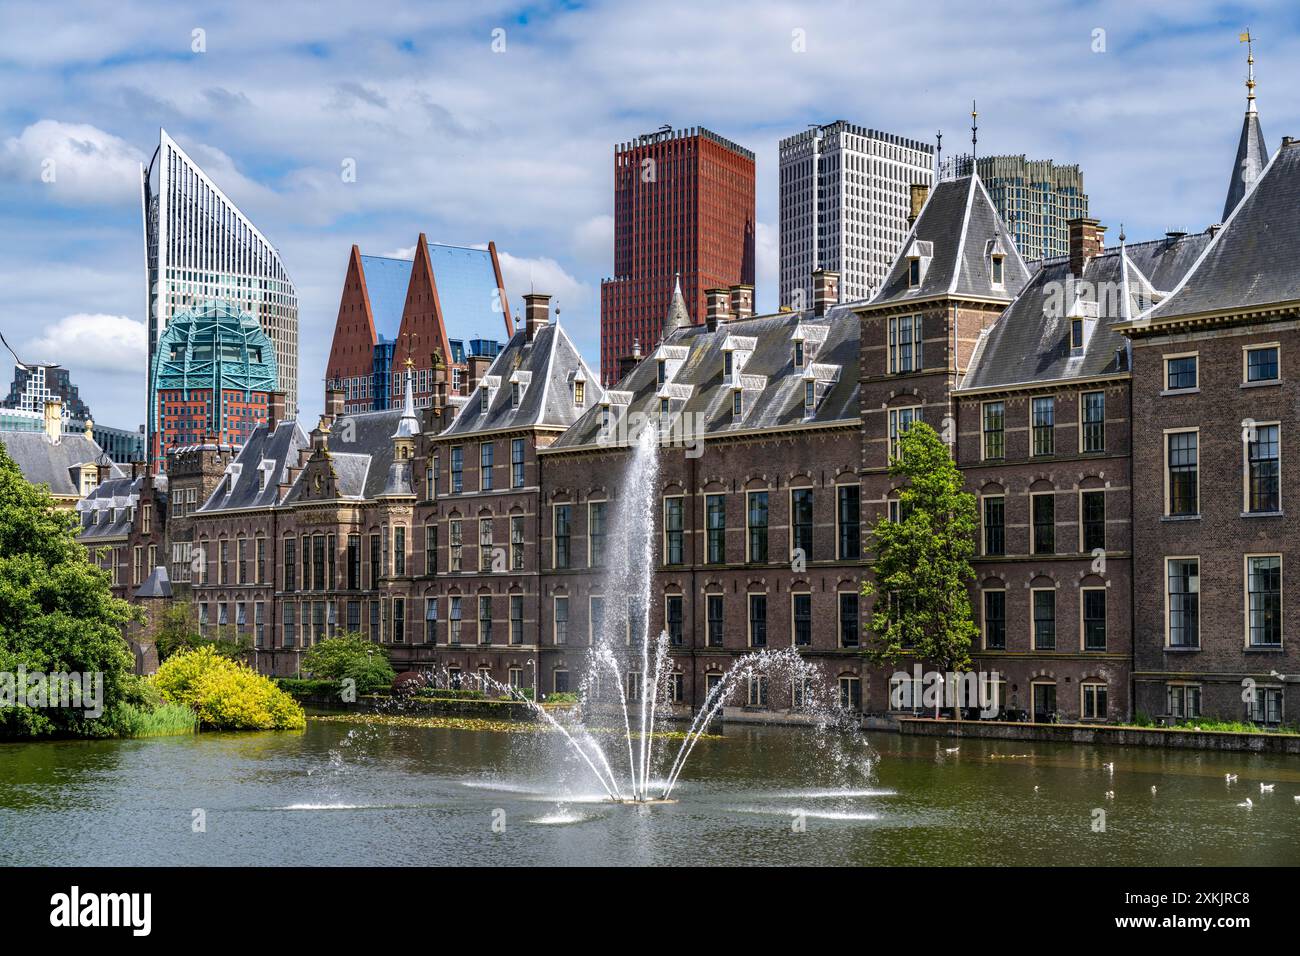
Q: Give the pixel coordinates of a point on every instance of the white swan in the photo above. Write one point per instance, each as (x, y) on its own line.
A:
(1266, 787)
(1230, 777)
(1247, 803)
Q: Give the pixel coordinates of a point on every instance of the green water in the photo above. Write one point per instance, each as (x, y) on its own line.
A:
(356, 793)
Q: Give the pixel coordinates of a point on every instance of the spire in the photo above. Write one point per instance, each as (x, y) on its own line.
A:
(678, 317)
(974, 136)
(409, 426)
(1126, 302)
(1252, 152)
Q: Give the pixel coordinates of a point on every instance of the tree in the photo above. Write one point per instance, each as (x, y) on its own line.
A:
(178, 631)
(226, 694)
(922, 562)
(350, 656)
(57, 612)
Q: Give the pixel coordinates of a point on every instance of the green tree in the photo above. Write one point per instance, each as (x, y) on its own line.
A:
(350, 656)
(922, 562)
(57, 612)
(178, 631)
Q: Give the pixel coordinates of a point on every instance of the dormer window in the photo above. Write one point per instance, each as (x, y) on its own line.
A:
(579, 393)
(485, 399)
(809, 394)
(737, 403)
(604, 417)
(913, 272)
(1076, 333)
(516, 393)
(112, 515)
(728, 362)
(663, 408)
(798, 353)
(997, 269)
(662, 373)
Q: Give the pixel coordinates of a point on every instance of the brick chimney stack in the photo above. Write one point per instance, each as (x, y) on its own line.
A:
(275, 409)
(826, 290)
(334, 404)
(918, 194)
(716, 304)
(742, 301)
(537, 313)
(1085, 242)
(478, 367)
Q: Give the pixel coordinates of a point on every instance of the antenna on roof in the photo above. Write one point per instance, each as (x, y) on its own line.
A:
(1247, 39)
(938, 154)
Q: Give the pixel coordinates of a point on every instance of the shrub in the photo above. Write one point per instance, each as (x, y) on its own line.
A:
(226, 694)
(350, 656)
(162, 720)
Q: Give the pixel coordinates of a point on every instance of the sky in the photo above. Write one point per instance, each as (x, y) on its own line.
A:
(488, 120)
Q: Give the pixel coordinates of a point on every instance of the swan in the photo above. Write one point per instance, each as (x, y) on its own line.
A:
(1247, 803)
(1266, 787)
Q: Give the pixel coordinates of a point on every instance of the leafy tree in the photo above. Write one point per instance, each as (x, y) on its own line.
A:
(57, 612)
(178, 631)
(922, 562)
(350, 656)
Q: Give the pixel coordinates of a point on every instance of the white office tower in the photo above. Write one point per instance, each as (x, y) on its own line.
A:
(200, 248)
(844, 205)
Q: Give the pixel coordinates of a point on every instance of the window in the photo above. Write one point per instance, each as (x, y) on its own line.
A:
(288, 625)
(561, 617)
(1092, 514)
(1181, 457)
(399, 620)
(1263, 469)
(1094, 618)
(146, 518)
(563, 515)
(757, 691)
(737, 402)
(801, 522)
(516, 463)
(905, 343)
(715, 520)
(516, 619)
(454, 612)
(259, 623)
(1262, 364)
(485, 619)
(259, 558)
(376, 569)
(1044, 619)
(516, 543)
(798, 353)
(399, 550)
(995, 533)
(758, 620)
(995, 620)
(1264, 599)
(596, 511)
(673, 619)
(1076, 334)
(673, 530)
(579, 393)
(223, 566)
(429, 485)
(457, 470)
(1180, 372)
(375, 633)
(801, 614)
(1266, 708)
(485, 455)
(430, 618)
(1183, 599)
(913, 273)
(1044, 514)
(290, 564)
(318, 562)
(485, 544)
(757, 524)
(1092, 412)
(430, 551)
(900, 420)
(1094, 702)
(993, 431)
(713, 618)
(848, 512)
(809, 394)
(596, 617)
(561, 682)
(851, 693)
(455, 544)
(1183, 700)
(850, 628)
(1044, 426)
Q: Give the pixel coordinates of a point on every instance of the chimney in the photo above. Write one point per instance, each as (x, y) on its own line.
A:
(716, 302)
(54, 420)
(104, 470)
(537, 313)
(919, 193)
(629, 362)
(1085, 242)
(275, 409)
(138, 469)
(742, 301)
(334, 403)
(826, 290)
(478, 366)
(90, 428)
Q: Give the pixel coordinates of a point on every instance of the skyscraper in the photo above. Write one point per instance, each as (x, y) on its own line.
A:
(683, 206)
(844, 206)
(1036, 198)
(199, 249)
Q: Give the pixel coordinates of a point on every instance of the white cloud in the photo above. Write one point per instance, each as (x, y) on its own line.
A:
(593, 240)
(543, 274)
(76, 161)
(109, 344)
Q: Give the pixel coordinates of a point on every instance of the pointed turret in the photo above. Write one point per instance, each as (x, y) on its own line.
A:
(1252, 153)
(409, 425)
(678, 316)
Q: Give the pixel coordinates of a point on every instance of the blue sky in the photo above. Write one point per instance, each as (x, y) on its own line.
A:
(464, 143)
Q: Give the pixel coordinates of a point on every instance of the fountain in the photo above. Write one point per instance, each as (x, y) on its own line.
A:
(627, 659)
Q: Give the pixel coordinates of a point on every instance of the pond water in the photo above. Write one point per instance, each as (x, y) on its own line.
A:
(348, 791)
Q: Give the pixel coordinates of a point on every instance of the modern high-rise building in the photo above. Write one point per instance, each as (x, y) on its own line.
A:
(448, 300)
(1036, 198)
(214, 379)
(35, 384)
(845, 202)
(683, 206)
(199, 249)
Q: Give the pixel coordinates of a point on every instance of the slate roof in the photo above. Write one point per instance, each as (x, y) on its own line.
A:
(1252, 157)
(43, 462)
(956, 230)
(771, 385)
(361, 464)
(242, 486)
(1250, 263)
(545, 368)
(1030, 342)
(158, 584)
(109, 504)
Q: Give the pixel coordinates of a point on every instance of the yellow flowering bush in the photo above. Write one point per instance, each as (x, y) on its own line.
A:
(226, 694)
